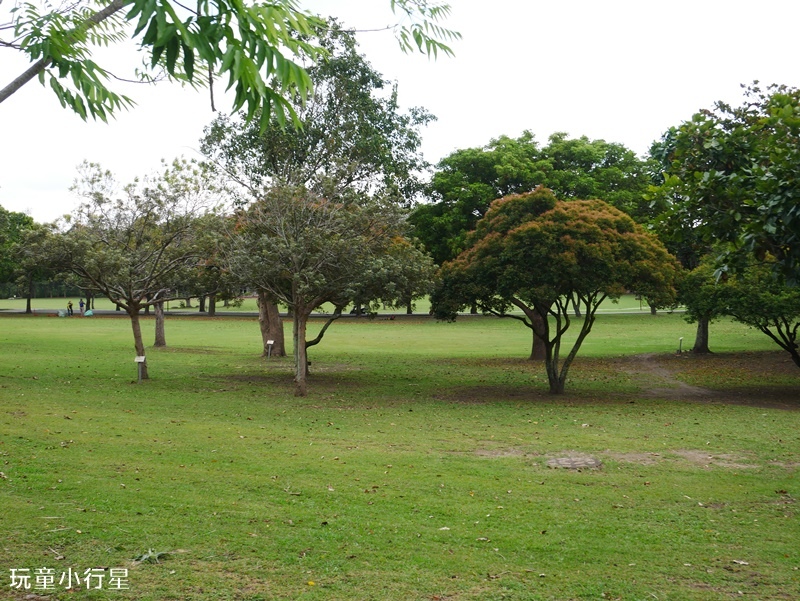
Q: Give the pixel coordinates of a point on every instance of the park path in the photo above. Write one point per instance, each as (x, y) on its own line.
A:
(660, 382)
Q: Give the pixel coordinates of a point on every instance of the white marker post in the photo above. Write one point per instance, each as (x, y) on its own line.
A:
(140, 359)
(269, 348)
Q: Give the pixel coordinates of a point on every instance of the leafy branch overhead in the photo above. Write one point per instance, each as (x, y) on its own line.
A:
(263, 49)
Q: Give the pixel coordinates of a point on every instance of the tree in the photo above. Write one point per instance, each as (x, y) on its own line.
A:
(260, 47)
(352, 141)
(29, 256)
(464, 185)
(540, 255)
(701, 295)
(467, 181)
(581, 168)
(131, 246)
(732, 176)
(305, 251)
(350, 138)
(12, 227)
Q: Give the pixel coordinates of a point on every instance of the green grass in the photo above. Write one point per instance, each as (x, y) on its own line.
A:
(415, 469)
(627, 303)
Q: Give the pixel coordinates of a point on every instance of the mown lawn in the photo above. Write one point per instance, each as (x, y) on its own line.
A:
(415, 469)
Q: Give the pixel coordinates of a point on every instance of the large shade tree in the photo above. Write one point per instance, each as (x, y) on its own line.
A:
(261, 48)
(353, 141)
(538, 255)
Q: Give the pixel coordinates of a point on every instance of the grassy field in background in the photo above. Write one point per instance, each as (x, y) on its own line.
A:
(626, 303)
(415, 469)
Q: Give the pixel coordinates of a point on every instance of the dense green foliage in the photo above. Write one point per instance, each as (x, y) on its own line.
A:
(350, 139)
(468, 180)
(731, 178)
(259, 47)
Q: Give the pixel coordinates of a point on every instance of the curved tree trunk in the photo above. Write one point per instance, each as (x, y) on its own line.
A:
(271, 324)
(133, 313)
(701, 338)
(161, 339)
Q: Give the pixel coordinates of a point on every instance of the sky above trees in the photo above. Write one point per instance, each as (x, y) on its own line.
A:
(624, 71)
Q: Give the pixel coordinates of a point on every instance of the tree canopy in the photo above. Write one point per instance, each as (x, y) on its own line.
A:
(732, 178)
(130, 245)
(468, 180)
(351, 137)
(262, 48)
(305, 250)
(539, 255)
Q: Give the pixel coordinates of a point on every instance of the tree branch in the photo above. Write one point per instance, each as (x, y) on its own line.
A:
(42, 64)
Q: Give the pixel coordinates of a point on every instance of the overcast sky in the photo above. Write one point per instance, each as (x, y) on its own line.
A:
(620, 70)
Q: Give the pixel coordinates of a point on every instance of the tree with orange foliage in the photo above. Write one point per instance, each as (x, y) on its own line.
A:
(536, 254)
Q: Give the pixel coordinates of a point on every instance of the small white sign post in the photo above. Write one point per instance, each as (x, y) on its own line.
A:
(140, 359)
(269, 348)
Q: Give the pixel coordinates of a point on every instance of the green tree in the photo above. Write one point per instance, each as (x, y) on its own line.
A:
(540, 255)
(12, 227)
(131, 246)
(467, 181)
(306, 251)
(29, 255)
(701, 295)
(352, 141)
(732, 176)
(464, 185)
(259, 47)
(581, 168)
(351, 137)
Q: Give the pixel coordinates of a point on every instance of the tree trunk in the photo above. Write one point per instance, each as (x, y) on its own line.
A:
(138, 343)
(409, 307)
(202, 300)
(28, 307)
(653, 310)
(300, 357)
(271, 324)
(576, 308)
(701, 339)
(161, 339)
(538, 347)
(188, 302)
(212, 305)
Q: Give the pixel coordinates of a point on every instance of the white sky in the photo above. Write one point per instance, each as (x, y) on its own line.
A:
(620, 70)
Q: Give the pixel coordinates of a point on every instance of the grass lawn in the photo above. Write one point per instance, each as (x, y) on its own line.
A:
(417, 467)
(627, 303)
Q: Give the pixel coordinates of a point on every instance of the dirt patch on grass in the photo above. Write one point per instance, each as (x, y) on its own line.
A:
(705, 459)
(501, 453)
